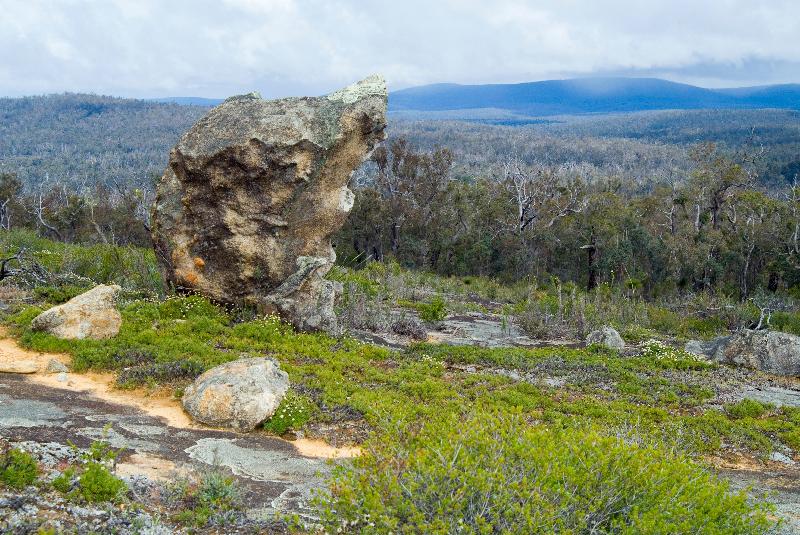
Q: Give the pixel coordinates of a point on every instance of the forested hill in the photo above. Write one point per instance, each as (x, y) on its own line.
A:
(85, 139)
(591, 95)
(79, 140)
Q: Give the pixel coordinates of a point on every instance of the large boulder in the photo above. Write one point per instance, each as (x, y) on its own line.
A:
(709, 349)
(770, 351)
(239, 394)
(92, 314)
(606, 336)
(253, 192)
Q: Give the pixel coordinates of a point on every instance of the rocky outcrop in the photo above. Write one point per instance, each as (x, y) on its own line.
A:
(253, 192)
(607, 337)
(239, 394)
(770, 351)
(92, 314)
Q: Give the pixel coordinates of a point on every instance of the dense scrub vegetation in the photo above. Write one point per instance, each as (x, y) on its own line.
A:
(641, 149)
(595, 401)
(498, 474)
(631, 200)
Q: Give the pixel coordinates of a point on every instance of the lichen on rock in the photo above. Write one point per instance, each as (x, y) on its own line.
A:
(92, 314)
(253, 193)
(240, 394)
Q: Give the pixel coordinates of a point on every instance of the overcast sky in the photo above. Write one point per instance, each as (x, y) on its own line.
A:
(150, 48)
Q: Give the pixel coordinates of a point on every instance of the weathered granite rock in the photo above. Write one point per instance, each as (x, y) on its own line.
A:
(19, 366)
(92, 314)
(606, 336)
(253, 192)
(710, 349)
(56, 366)
(769, 351)
(239, 394)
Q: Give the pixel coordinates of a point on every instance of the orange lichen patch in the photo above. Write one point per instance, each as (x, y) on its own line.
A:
(199, 263)
(188, 277)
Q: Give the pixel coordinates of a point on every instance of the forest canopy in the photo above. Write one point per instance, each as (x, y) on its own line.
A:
(657, 203)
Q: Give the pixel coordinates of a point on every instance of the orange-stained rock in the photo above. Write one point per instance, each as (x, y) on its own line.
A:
(92, 314)
(253, 193)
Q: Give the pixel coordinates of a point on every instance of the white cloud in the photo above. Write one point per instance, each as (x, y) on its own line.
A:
(281, 47)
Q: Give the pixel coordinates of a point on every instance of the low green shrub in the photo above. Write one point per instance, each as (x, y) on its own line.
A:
(704, 327)
(293, 412)
(218, 492)
(357, 279)
(23, 318)
(433, 311)
(788, 322)
(63, 482)
(635, 334)
(498, 474)
(665, 356)
(161, 372)
(792, 438)
(18, 469)
(746, 408)
(58, 294)
(98, 484)
(197, 504)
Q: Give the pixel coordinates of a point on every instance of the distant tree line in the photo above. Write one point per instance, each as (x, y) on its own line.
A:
(714, 228)
(642, 149)
(92, 214)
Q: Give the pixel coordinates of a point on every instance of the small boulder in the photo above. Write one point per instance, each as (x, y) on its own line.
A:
(92, 314)
(606, 336)
(19, 366)
(56, 366)
(710, 349)
(769, 351)
(241, 394)
(410, 327)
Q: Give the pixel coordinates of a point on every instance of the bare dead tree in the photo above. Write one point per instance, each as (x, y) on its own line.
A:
(25, 266)
(542, 197)
(5, 215)
(37, 209)
(793, 201)
(5, 270)
(767, 305)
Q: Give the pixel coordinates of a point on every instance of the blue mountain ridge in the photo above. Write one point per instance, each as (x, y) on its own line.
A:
(591, 95)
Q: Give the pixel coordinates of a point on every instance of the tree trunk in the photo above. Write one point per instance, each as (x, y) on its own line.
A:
(591, 264)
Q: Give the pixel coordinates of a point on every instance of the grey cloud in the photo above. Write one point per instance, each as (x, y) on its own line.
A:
(280, 47)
